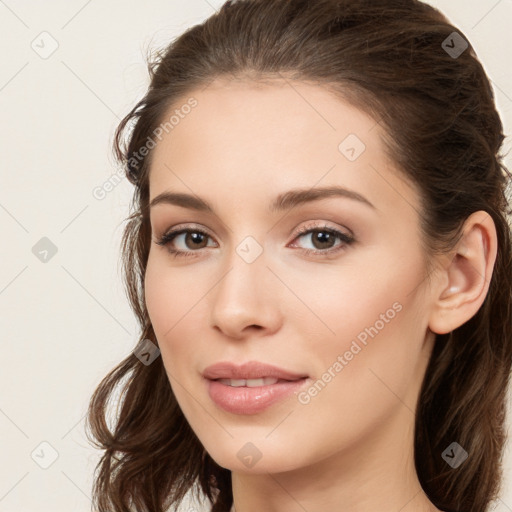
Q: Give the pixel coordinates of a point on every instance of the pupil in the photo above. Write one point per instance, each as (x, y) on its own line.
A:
(323, 237)
(196, 237)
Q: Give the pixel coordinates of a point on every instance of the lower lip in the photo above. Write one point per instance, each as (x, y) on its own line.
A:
(245, 400)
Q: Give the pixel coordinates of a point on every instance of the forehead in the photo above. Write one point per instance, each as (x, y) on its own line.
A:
(279, 115)
(256, 139)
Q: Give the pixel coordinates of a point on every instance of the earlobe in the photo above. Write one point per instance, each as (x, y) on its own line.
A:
(464, 282)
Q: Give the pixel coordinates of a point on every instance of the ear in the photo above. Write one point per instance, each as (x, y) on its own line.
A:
(464, 281)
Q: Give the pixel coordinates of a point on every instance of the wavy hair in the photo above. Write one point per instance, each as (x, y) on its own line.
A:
(396, 61)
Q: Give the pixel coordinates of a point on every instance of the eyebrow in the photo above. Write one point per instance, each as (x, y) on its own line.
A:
(284, 201)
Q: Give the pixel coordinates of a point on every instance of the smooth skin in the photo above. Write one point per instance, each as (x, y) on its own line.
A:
(350, 448)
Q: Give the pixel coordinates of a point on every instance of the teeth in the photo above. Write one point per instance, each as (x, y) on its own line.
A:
(250, 383)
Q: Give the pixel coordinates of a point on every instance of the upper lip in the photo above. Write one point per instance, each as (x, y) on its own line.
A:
(249, 370)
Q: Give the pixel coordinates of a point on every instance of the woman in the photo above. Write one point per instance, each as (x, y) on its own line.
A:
(320, 260)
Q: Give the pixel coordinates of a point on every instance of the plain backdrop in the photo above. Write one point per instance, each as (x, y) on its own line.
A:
(70, 71)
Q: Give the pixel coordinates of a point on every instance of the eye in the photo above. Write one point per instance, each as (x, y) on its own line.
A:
(194, 237)
(322, 237)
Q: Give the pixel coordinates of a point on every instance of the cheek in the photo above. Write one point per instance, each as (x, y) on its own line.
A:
(373, 336)
(164, 302)
(341, 303)
(168, 292)
(173, 302)
(158, 296)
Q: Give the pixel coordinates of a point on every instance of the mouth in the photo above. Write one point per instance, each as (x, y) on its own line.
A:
(253, 383)
(251, 387)
(251, 372)
(251, 396)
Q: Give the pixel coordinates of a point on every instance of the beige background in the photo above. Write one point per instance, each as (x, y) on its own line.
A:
(66, 322)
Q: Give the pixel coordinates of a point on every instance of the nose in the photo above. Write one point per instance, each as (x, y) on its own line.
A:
(246, 301)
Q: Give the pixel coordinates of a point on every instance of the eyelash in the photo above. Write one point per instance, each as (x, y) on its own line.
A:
(347, 240)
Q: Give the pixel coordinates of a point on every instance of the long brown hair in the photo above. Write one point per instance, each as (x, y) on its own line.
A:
(399, 61)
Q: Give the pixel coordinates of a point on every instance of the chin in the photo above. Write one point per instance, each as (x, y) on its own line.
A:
(252, 457)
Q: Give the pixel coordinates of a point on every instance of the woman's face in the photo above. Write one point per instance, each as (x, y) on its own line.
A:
(352, 316)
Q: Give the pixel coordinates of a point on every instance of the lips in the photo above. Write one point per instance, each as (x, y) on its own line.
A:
(248, 371)
(252, 387)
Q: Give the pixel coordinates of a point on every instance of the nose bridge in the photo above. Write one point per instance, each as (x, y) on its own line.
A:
(246, 272)
(244, 296)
